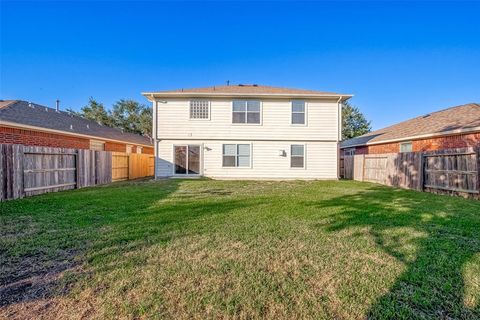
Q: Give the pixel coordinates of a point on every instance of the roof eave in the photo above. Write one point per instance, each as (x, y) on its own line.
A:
(417, 137)
(158, 95)
(62, 132)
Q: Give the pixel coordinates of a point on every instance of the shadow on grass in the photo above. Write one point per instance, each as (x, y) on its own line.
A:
(446, 235)
(46, 237)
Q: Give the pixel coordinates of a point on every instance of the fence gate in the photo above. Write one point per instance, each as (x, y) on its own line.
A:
(375, 169)
(49, 169)
(456, 172)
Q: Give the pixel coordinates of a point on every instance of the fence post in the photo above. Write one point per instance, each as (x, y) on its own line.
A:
(363, 167)
(421, 171)
(17, 159)
(477, 153)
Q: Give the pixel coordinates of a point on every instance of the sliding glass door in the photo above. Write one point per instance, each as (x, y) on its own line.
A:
(187, 160)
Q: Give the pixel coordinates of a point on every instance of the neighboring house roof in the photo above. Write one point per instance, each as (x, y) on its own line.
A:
(245, 90)
(464, 118)
(26, 114)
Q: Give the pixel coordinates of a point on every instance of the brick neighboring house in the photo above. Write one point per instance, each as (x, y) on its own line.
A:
(26, 123)
(456, 127)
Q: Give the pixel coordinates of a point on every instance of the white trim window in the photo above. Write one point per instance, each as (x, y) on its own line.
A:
(129, 148)
(139, 149)
(199, 110)
(406, 147)
(299, 114)
(246, 111)
(236, 155)
(349, 152)
(297, 156)
(97, 145)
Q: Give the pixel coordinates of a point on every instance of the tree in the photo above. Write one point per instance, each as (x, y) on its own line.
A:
(95, 111)
(354, 123)
(131, 116)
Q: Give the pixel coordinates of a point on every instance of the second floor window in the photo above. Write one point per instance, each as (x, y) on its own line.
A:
(199, 109)
(298, 112)
(246, 111)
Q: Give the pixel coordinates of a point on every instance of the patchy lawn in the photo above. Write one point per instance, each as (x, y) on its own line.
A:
(233, 249)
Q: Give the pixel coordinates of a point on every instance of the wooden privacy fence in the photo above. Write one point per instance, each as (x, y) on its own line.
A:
(131, 166)
(452, 171)
(27, 171)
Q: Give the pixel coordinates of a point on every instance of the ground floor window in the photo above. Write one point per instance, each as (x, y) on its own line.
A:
(406, 147)
(297, 156)
(236, 155)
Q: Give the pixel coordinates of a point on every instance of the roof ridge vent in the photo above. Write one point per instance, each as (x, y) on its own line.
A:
(30, 105)
(247, 85)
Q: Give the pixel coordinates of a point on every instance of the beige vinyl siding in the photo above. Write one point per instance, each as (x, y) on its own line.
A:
(320, 160)
(322, 122)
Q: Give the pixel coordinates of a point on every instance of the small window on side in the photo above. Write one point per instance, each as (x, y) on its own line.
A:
(129, 148)
(406, 147)
(139, 149)
(298, 112)
(297, 156)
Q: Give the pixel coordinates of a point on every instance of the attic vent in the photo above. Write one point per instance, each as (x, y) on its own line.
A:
(46, 109)
(71, 127)
(88, 126)
(30, 105)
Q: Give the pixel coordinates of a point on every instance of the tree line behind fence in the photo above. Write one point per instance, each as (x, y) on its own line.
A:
(27, 170)
(453, 171)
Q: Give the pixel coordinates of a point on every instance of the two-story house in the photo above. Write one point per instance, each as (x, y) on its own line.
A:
(247, 132)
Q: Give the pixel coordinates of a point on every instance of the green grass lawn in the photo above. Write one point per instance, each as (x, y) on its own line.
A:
(184, 249)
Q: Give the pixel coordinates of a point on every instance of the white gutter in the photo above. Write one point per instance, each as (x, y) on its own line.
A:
(153, 95)
(428, 135)
(66, 133)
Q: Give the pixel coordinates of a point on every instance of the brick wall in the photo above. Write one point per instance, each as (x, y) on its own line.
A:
(432, 144)
(147, 150)
(117, 147)
(37, 138)
(47, 139)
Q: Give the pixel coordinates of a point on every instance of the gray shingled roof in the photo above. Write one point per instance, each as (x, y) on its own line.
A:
(25, 113)
(462, 117)
(246, 89)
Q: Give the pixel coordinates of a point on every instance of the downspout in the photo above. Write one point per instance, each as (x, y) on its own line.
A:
(339, 134)
(155, 146)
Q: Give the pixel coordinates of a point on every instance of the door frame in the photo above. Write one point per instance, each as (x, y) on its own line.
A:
(188, 175)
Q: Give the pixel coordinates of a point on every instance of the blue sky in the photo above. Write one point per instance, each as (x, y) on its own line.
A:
(399, 59)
